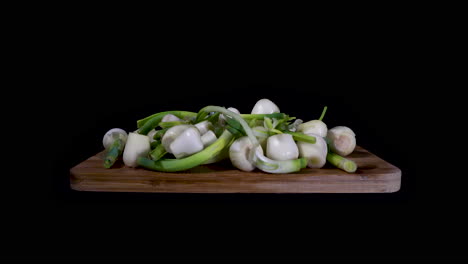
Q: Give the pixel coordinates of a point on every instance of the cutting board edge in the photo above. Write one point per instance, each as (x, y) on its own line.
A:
(82, 184)
(392, 186)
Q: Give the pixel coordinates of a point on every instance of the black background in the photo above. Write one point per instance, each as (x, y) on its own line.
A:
(375, 83)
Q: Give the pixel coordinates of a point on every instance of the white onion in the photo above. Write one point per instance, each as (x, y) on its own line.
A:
(137, 146)
(265, 106)
(281, 147)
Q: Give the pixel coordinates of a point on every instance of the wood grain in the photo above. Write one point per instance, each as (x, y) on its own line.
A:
(374, 175)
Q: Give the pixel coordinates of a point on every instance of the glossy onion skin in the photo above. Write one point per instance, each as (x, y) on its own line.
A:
(137, 146)
(282, 147)
(316, 154)
(239, 153)
(316, 127)
(265, 106)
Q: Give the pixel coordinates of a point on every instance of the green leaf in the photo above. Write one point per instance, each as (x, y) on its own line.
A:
(155, 143)
(234, 127)
(276, 115)
(218, 130)
(268, 124)
(160, 133)
(201, 116)
(253, 122)
(275, 131)
(262, 116)
(170, 124)
(302, 137)
(323, 113)
(158, 152)
(214, 118)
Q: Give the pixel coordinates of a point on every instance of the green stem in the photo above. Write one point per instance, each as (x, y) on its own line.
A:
(268, 123)
(234, 127)
(261, 116)
(200, 117)
(114, 151)
(156, 118)
(214, 118)
(194, 160)
(341, 162)
(224, 154)
(275, 131)
(154, 144)
(302, 137)
(323, 113)
(158, 152)
(159, 134)
(279, 166)
(171, 124)
(218, 130)
(253, 122)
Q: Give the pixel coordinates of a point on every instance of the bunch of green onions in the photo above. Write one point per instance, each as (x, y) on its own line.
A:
(154, 144)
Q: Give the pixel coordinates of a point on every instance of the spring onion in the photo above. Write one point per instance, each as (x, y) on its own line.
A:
(341, 162)
(172, 165)
(317, 127)
(315, 153)
(266, 139)
(282, 147)
(182, 141)
(137, 146)
(341, 140)
(114, 142)
(265, 106)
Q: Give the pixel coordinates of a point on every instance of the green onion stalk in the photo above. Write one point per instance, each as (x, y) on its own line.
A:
(173, 165)
(262, 116)
(302, 137)
(158, 152)
(154, 144)
(224, 154)
(160, 133)
(146, 124)
(171, 124)
(115, 150)
(323, 113)
(341, 162)
(271, 126)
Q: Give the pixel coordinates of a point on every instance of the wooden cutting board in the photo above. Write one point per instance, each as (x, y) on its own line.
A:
(374, 175)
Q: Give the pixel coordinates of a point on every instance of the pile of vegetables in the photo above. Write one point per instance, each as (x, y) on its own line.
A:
(266, 139)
